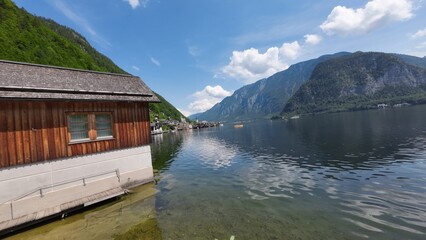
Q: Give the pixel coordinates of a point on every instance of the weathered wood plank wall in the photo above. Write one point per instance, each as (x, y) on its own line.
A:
(37, 131)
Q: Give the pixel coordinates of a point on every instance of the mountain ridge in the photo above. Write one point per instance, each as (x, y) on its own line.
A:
(268, 97)
(361, 81)
(249, 103)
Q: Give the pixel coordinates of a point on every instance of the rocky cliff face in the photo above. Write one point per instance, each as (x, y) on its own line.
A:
(359, 81)
(265, 97)
(338, 82)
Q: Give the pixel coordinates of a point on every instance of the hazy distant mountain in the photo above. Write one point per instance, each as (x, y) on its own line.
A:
(194, 116)
(360, 81)
(416, 61)
(265, 97)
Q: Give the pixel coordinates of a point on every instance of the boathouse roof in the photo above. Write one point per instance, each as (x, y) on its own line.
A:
(33, 81)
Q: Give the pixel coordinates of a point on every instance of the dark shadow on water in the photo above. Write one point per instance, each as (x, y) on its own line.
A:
(163, 149)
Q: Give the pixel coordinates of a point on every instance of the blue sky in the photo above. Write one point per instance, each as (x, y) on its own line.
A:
(196, 52)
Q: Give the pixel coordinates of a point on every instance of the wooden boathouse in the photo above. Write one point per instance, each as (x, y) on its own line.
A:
(69, 138)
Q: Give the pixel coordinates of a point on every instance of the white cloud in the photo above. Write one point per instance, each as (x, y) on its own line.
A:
(133, 3)
(290, 50)
(155, 61)
(136, 3)
(201, 105)
(215, 92)
(185, 113)
(376, 13)
(207, 98)
(251, 65)
(136, 68)
(312, 39)
(419, 34)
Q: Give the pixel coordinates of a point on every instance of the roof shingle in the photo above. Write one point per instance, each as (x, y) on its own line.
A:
(31, 81)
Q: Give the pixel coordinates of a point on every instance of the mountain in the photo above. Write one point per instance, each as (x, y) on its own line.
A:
(416, 61)
(28, 38)
(361, 81)
(265, 97)
(194, 116)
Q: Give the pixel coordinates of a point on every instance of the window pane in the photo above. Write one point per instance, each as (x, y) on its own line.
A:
(103, 125)
(103, 117)
(104, 133)
(79, 135)
(78, 126)
(78, 118)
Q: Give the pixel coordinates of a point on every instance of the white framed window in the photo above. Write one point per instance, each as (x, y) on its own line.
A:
(90, 126)
(78, 126)
(103, 125)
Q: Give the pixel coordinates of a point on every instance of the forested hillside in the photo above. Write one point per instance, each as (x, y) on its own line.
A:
(28, 38)
(164, 110)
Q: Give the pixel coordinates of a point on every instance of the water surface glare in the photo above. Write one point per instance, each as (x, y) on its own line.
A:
(335, 176)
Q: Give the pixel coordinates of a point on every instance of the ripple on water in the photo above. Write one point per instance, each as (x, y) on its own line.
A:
(211, 152)
(384, 209)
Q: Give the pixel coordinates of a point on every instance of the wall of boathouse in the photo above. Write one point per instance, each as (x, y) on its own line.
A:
(36, 131)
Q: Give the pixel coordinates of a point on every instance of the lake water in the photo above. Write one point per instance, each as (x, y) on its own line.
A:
(357, 175)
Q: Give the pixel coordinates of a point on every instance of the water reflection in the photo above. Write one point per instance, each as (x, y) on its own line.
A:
(211, 151)
(164, 148)
(362, 138)
(362, 173)
(269, 178)
(336, 176)
(374, 173)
